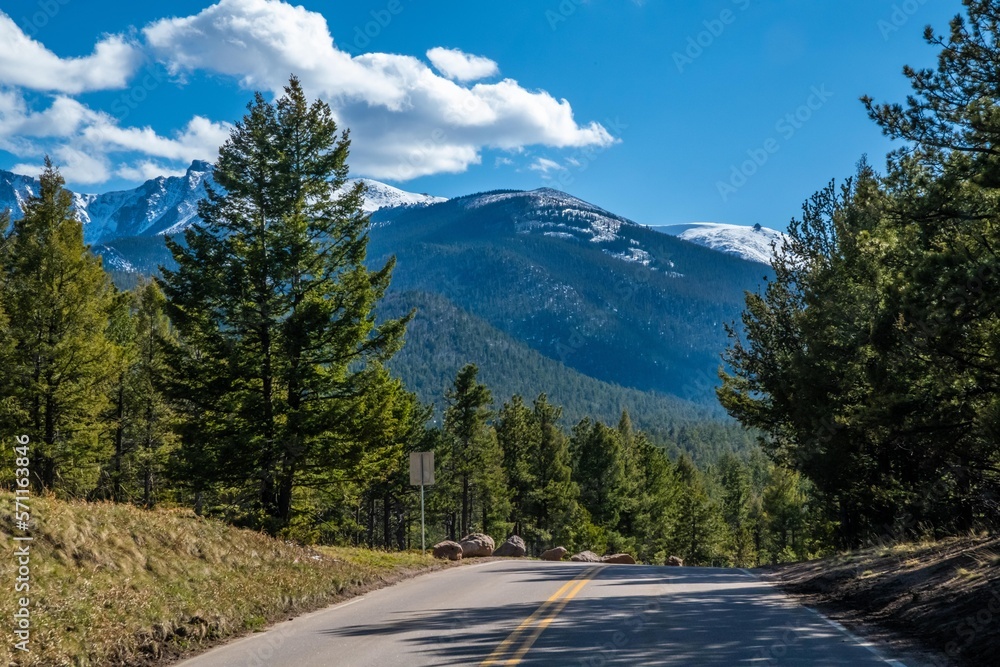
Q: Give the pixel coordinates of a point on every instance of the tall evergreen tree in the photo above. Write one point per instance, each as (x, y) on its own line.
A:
(275, 308)
(699, 534)
(519, 437)
(737, 507)
(57, 300)
(476, 462)
(554, 508)
(599, 468)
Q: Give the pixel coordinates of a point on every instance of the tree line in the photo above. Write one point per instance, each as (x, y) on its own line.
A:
(250, 383)
(872, 362)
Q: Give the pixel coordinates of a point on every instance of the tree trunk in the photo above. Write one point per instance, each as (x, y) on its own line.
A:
(465, 505)
(116, 482)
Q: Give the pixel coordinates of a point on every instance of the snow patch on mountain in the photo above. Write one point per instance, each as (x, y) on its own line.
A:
(166, 205)
(750, 243)
(632, 255)
(379, 195)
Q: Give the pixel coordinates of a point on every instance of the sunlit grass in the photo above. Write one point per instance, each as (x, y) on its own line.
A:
(117, 585)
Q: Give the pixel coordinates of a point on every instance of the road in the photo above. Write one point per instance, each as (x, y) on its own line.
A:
(553, 614)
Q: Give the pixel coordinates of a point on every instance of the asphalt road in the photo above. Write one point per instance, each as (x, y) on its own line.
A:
(554, 614)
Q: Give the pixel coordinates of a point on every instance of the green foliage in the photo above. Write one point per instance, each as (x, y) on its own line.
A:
(870, 362)
(58, 356)
(140, 422)
(279, 350)
(700, 532)
(475, 458)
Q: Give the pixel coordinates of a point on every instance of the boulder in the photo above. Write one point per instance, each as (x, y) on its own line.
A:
(477, 545)
(674, 561)
(619, 559)
(586, 557)
(514, 547)
(554, 554)
(448, 550)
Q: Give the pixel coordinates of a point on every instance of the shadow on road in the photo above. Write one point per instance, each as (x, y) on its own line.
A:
(671, 616)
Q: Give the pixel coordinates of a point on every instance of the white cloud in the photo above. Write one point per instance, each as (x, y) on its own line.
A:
(27, 63)
(406, 120)
(145, 170)
(75, 165)
(461, 66)
(545, 165)
(80, 141)
(200, 140)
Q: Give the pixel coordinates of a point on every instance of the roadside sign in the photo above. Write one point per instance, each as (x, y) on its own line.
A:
(422, 474)
(421, 468)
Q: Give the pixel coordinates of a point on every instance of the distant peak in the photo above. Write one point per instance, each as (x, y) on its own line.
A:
(200, 165)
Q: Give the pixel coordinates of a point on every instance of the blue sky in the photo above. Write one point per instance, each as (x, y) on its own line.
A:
(643, 107)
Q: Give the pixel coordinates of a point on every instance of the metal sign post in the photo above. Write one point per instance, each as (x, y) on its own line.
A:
(422, 473)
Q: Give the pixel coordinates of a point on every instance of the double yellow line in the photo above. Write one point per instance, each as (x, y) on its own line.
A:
(512, 650)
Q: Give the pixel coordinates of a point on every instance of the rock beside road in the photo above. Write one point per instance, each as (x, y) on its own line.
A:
(448, 550)
(514, 547)
(586, 557)
(674, 561)
(554, 554)
(477, 545)
(619, 559)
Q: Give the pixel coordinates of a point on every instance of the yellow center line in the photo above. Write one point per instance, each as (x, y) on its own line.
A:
(557, 602)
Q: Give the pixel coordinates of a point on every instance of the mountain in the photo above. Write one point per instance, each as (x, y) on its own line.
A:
(589, 294)
(604, 296)
(750, 243)
(379, 195)
(164, 205)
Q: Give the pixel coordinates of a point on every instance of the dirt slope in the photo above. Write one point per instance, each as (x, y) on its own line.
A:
(942, 596)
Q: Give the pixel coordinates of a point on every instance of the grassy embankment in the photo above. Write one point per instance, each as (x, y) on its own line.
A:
(117, 585)
(943, 596)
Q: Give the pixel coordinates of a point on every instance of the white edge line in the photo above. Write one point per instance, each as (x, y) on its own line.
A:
(837, 626)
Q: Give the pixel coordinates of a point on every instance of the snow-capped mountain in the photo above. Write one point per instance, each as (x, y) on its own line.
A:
(555, 214)
(165, 205)
(379, 195)
(750, 243)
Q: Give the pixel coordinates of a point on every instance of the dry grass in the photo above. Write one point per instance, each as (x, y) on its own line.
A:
(942, 595)
(117, 585)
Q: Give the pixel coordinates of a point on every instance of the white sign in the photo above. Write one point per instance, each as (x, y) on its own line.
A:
(421, 468)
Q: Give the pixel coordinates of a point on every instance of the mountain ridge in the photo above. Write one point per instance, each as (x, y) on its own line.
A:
(166, 204)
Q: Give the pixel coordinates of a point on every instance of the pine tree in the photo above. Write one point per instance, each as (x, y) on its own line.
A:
(699, 533)
(275, 308)
(554, 508)
(599, 468)
(476, 460)
(57, 300)
(737, 506)
(519, 438)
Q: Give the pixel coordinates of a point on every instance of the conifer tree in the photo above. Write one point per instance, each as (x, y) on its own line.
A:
(275, 308)
(699, 532)
(476, 462)
(737, 505)
(555, 510)
(57, 300)
(519, 438)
